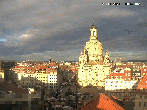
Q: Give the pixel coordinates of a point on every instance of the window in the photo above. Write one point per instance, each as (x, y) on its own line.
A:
(93, 33)
(144, 104)
(121, 77)
(128, 74)
(144, 69)
(141, 89)
(140, 96)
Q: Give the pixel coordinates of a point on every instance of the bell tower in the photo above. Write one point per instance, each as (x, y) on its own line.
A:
(93, 66)
(93, 32)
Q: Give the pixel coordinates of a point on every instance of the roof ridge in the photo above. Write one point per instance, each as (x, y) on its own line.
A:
(103, 95)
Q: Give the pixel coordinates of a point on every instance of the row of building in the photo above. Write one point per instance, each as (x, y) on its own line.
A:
(36, 74)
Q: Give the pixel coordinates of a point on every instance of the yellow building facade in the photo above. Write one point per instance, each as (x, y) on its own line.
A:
(93, 66)
(30, 76)
(1, 75)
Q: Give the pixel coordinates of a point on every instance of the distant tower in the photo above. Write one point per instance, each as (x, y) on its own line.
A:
(81, 52)
(49, 60)
(106, 58)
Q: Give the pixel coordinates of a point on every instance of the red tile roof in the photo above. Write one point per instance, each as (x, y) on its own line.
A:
(124, 66)
(51, 69)
(53, 63)
(41, 67)
(72, 70)
(102, 102)
(142, 85)
(19, 67)
(6, 86)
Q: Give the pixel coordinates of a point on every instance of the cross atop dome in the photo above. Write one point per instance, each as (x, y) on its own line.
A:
(93, 26)
(93, 31)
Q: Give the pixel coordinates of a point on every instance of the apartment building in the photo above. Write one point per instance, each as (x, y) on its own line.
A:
(37, 75)
(121, 85)
(141, 95)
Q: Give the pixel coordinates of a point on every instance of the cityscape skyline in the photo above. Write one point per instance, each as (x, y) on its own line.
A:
(42, 30)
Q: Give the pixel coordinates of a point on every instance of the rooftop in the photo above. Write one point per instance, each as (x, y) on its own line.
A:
(7, 86)
(142, 85)
(102, 102)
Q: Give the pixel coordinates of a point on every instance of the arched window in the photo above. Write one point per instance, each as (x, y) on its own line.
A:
(93, 33)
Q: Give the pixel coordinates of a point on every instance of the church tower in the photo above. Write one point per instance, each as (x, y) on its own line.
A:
(93, 32)
(94, 47)
(106, 58)
(93, 66)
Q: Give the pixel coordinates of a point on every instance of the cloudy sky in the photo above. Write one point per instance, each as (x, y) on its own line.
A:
(59, 29)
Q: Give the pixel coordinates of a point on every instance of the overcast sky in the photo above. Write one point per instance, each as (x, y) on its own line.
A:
(59, 29)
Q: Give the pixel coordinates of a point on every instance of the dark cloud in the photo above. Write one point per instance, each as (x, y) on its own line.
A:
(59, 29)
